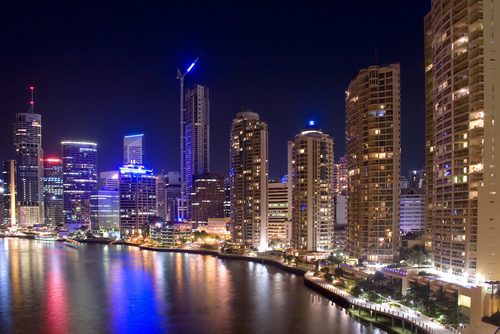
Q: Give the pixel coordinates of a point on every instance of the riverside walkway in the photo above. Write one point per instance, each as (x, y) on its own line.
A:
(420, 321)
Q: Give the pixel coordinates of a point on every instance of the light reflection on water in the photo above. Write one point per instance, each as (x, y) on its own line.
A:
(52, 288)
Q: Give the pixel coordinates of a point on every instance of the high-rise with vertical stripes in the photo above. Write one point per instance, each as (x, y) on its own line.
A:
(29, 155)
(197, 137)
(373, 163)
(249, 180)
(462, 85)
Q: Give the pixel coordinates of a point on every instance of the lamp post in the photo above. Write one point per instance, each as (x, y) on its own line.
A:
(180, 77)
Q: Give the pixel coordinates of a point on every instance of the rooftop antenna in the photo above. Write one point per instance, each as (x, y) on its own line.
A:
(375, 56)
(32, 99)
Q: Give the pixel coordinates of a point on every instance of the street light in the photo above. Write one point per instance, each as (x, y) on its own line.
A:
(180, 77)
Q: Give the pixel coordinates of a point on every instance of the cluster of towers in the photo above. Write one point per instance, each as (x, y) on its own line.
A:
(320, 205)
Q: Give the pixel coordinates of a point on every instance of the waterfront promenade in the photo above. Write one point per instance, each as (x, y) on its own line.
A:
(404, 314)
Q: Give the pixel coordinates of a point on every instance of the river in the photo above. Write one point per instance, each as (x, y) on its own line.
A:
(48, 287)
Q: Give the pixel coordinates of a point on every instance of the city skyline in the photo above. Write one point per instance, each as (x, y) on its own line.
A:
(304, 89)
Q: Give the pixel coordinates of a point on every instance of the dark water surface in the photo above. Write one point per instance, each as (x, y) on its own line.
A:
(52, 288)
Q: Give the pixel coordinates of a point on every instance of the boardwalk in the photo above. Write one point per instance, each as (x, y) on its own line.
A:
(423, 322)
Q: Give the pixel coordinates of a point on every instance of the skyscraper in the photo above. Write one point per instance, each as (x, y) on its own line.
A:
(29, 155)
(310, 176)
(79, 182)
(132, 149)
(249, 177)
(53, 191)
(462, 177)
(8, 176)
(197, 136)
(277, 200)
(137, 199)
(373, 163)
(207, 200)
(168, 192)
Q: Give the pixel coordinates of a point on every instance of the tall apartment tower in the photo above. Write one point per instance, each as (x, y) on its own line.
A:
(137, 199)
(310, 176)
(373, 163)
(197, 137)
(462, 178)
(29, 155)
(132, 149)
(53, 191)
(79, 182)
(249, 177)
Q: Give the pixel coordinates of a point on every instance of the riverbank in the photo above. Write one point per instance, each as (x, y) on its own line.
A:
(400, 319)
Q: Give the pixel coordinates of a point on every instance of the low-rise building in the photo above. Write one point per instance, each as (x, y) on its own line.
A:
(169, 234)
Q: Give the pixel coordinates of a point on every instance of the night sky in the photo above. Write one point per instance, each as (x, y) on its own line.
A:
(107, 70)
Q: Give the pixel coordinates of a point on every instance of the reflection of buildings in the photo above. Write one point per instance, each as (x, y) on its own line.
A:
(373, 163)
(249, 174)
(137, 199)
(79, 182)
(277, 212)
(53, 192)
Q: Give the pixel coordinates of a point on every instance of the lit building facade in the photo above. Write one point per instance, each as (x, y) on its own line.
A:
(53, 192)
(340, 225)
(416, 179)
(310, 176)
(249, 177)
(462, 224)
(227, 198)
(197, 136)
(277, 212)
(29, 155)
(411, 211)
(340, 176)
(109, 180)
(132, 149)
(373, 163)
(79, 182)
(168, 192)
(8, 192)
(169, 234)
(207, 200)
(105, 209)
(137, 199)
